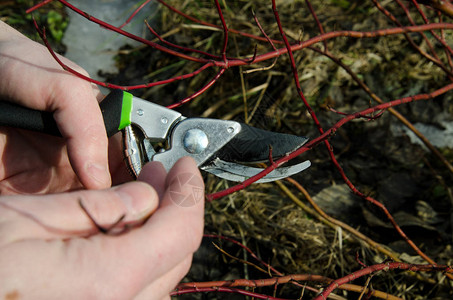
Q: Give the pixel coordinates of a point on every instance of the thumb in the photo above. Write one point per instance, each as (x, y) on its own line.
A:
(60, 216)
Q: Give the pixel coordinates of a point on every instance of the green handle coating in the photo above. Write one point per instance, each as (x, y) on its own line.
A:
(126, 111)
(116, 109)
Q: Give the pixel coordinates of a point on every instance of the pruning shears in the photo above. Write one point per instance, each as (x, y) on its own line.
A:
(152, 132)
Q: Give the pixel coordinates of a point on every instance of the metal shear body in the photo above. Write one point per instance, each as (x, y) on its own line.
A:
(221, 147)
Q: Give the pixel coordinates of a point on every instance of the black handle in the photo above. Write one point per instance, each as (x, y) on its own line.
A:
(111, 108)
(13, 115)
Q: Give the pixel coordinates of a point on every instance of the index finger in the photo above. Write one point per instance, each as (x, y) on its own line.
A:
(80, 121)
(36, 80)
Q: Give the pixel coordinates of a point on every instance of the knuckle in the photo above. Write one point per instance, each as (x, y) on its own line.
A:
(95, 134)
(103, 210)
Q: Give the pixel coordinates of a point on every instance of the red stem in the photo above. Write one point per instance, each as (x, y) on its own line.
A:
(179, 47)
(195, 20)
(134, 13)
(425, 19)
(442, 34)
(130, 35)
(330, 132)
(199, 92)
(327, 134)
(318, 23)
(223, 290)
(269, 267)
(65, 67)
(406, 11)
(226, 63)
(375, 268)
(345, 33)
(39, 5)
(225, 31)
(435, 59)
(329, 147)
(236, 62)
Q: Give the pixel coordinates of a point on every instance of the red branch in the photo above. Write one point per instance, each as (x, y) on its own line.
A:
(439, 39)
(327, 134)
(179, 47)
(269, 267)
(329, 147)
(223, 290)
(225, 31)
(199, 92)
(241, 62)
(445, 7)
(134, 13)
(39, 5)
(195, 20)
(379, 267)
(65, 67)
(435, 58)
(318, 23)
(125, 33)
(224, 62)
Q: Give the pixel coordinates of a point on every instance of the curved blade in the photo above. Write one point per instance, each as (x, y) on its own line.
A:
(253, 145)
(236, 172)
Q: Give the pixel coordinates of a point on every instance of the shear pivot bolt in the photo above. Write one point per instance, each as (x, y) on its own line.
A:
(195, 141)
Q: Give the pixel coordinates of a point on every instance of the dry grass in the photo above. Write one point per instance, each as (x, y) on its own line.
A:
(263, 217)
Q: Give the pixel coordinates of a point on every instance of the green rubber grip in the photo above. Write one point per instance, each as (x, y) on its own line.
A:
(116, 110)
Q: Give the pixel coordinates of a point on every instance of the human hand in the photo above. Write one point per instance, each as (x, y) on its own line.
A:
(36, 163)
(49, 248)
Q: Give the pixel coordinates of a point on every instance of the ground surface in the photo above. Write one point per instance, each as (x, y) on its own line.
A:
(377, 156)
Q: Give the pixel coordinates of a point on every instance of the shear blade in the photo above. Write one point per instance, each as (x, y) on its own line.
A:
(236, 172)
(252, 145)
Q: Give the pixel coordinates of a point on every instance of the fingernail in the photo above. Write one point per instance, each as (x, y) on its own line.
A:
(137, 206)
(99, 173)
